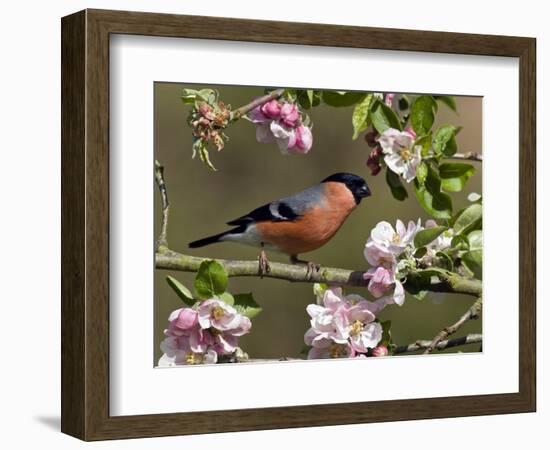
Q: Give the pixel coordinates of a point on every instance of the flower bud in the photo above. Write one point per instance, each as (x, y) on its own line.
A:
(370, 137)
(373, 161)
(289, 114)
(304, 139)
(381, 350)
(271, 109)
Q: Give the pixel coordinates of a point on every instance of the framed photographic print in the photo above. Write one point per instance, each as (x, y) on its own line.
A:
(271, 224)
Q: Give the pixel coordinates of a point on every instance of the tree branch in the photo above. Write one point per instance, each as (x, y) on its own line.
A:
(420, 344)
(162, 241)
(170, 260)
(473, 313)
(471, 156)
(239, 112)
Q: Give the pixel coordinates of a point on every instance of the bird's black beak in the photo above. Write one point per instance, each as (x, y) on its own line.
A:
(364, 191)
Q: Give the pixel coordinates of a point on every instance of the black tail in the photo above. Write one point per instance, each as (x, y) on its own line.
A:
(208, 240)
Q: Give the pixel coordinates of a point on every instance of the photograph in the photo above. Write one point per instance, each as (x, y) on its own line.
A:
(295, 223)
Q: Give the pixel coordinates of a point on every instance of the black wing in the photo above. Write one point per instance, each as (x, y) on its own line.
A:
(275, 212)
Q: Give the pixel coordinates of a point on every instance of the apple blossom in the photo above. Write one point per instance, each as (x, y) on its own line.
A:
(198, 336)
(304, 140)
(342, 326)
(386, 243)
(271, 109)
(400, 153)
(289, 114)
(281, 123)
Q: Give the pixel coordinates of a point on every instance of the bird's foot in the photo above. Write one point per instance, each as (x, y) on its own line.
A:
(311, 266)
(263, 264)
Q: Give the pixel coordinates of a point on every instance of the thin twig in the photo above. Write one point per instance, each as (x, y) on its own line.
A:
(421, 344)
(471, 156)
(239, 112)
(473, 313)
(159, 177)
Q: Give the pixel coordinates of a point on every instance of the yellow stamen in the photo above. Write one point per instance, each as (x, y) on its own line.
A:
(194, 358)
(356, 328)
(218, 313)
(337, 350)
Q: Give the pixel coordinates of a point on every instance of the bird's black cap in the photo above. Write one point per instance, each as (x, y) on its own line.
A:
(357, 185)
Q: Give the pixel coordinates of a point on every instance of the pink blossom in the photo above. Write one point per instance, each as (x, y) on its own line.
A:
(411, 132)
(264, 134)
(182, 319)
(380, 350)
(381, 279)
(379, 254)
(221, 316)
(257, 116)
(198, 337)
(284, 136)
(289, 114)
(342, 326)
(304, 140)
(401, 155)
(395, 240)
(331, 351)
(388, 99)
(271, 109)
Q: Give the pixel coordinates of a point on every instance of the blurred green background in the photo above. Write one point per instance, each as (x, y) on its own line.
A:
(251, 174)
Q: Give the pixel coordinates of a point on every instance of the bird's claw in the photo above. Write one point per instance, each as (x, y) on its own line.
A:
(263, 264)
(311, 266)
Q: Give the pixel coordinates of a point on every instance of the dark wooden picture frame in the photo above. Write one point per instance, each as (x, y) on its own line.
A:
(85, 224)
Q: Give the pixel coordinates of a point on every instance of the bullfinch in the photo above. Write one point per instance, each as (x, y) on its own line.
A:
(297, 224)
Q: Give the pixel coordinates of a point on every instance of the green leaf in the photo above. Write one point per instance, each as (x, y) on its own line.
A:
(445, 260)
(473, 261)
(360, 116)
(436, 203)
(447, 100)
(475, 240)
(205, 95)
(386, 334)
(420, 295)
(455, 175)
(444, 140)
(199, 146)
(469, 219)
(422, 172)
(226, 297)
(308, 98)
(183, 293)
(341, 98)
(211, 279)
(396, 186)
(189, 96)
(422, 114)
(428, 235)
(425, 142)
(420, 252)
(246, 305)
(383, 117)
(459, 242)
